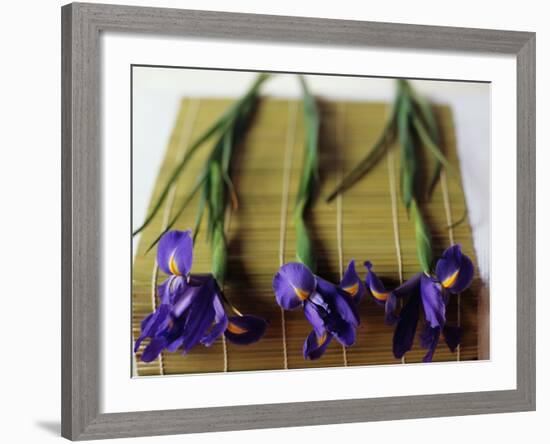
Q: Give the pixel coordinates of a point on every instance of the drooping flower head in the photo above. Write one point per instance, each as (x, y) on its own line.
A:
(330, 309)
(426, 293)
(191, 309)
(454, 273)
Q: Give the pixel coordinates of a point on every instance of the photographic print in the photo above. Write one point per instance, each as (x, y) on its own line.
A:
(297, 205)
(285, 221)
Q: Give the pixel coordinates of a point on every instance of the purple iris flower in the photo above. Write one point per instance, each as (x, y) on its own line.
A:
(454, 273)
(191, 309)
(330, 309)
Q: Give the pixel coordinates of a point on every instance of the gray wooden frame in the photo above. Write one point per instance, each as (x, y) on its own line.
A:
(81, 230)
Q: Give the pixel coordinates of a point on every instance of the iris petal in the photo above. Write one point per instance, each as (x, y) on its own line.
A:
(351, 283)
(147, 321)
(220, 323)
(448, 266)
(182, 258)
(455, 270)
(405, 330)
(175, 252)
(391, 304)
(154, 324)
(200, 316)
(452, 336)
(315, 346)
(338, 311)
(375, 285)
(465, 275)
(164, 290)
(346, 308)
(429, 339)
(318, 299)
(153, 349)
(324, 290)
(293, 284)
(170, 290)
(244, 330)
(175, 336)
(433, 302)
(345, 334)
(185, 299)
(314, 316)
(410, 288)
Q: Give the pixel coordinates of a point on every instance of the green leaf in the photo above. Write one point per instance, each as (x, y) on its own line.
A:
(231, 190)
(227, 150)
(436, 174)
(304, 247)
(426, 114)
(368, 162)
(408, 156)
(428, 143)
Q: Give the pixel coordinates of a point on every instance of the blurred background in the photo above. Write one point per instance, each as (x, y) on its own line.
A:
(157, 92)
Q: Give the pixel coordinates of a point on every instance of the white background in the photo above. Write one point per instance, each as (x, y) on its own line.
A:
(29, 184)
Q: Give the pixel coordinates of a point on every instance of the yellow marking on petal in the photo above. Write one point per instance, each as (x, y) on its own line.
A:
(172, 266)
(353, 289)
(302, 294)
(235, 329)
(450, 281)
(321, 340)
(380, 296)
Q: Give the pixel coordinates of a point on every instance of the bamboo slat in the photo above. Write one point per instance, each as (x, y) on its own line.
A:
(360, 225)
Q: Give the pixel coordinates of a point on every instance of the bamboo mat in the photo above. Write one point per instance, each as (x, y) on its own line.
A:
(367, 222)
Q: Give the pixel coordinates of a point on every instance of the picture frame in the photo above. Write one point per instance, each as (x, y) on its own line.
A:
(82, 166)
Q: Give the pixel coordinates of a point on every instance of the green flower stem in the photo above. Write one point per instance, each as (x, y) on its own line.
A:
(308, 180)
(216, 221)
(423, 239)
(219, 254)
(304, 246)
